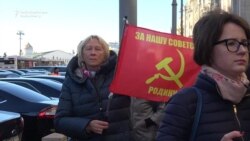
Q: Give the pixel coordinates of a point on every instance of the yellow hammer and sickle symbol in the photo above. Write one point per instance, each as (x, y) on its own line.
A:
(164, 65)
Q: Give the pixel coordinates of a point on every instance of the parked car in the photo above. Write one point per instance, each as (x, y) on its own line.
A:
(33, 71)
(16, 71)
(8, 74)
(37, 110)
(46, 87)
(62, 69)
(50, 77)
(11, 126)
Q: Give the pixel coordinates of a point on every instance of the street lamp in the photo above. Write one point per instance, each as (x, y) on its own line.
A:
(20, 33)
(174, 15)
(182, 17)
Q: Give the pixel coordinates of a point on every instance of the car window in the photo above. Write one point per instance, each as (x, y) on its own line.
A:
(8, 75)
(49, 77)
(50, 68)
(51, 83)
(26, 85)
(48, 87)
(21, 92)
(12, 75)
(62, 69)
(17, 72)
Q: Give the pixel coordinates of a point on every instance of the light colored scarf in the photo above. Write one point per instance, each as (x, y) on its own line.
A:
(81, 72)
(231, 90)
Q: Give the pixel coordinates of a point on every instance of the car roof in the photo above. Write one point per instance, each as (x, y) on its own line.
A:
(16, 71)
(58, 78)
(6, 115)
(22, 92)
(50, 88)
(19, 99)
(47, 82)
(44, 75)
(39, 80)
(50, 68)
(8, 74)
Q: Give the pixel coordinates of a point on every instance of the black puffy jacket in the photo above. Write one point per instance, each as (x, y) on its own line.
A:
(83, 100)
(218, 116)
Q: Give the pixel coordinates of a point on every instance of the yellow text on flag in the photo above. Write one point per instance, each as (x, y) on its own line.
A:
(162, 40)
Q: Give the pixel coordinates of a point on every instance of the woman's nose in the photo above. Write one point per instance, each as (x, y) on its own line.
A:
(243, 48)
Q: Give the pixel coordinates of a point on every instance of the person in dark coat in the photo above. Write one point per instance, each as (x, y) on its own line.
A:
(221, 48)
(145, 118)
(87, 110)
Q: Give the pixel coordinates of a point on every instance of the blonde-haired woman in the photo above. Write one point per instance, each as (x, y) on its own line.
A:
(87, 110)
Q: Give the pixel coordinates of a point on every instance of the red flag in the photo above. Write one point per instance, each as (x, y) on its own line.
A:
(153, 65)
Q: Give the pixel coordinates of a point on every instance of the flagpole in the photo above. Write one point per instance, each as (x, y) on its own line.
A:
(127, 8)
(125, 20)
(125, 23)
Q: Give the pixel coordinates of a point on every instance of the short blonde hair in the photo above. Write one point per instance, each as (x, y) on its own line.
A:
(83, 43)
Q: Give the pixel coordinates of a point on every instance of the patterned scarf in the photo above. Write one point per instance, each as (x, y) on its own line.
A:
(231, 90)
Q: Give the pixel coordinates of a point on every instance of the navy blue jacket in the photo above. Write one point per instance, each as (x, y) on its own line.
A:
(85, 99)
(218, 116)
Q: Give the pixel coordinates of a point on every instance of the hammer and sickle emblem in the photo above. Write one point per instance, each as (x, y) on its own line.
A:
(164, 64)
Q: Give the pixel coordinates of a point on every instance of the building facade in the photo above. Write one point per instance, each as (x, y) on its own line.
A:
(55, 57)
(194, 9)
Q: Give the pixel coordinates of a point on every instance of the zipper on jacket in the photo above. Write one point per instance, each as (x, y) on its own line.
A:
(93, 81)
(237, 119)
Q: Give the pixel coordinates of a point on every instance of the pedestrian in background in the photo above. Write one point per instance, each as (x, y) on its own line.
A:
(221, 48)
(55, 71)
(87, 110)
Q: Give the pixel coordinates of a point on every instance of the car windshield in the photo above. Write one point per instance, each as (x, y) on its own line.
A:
(23, 93)
(51, 83)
